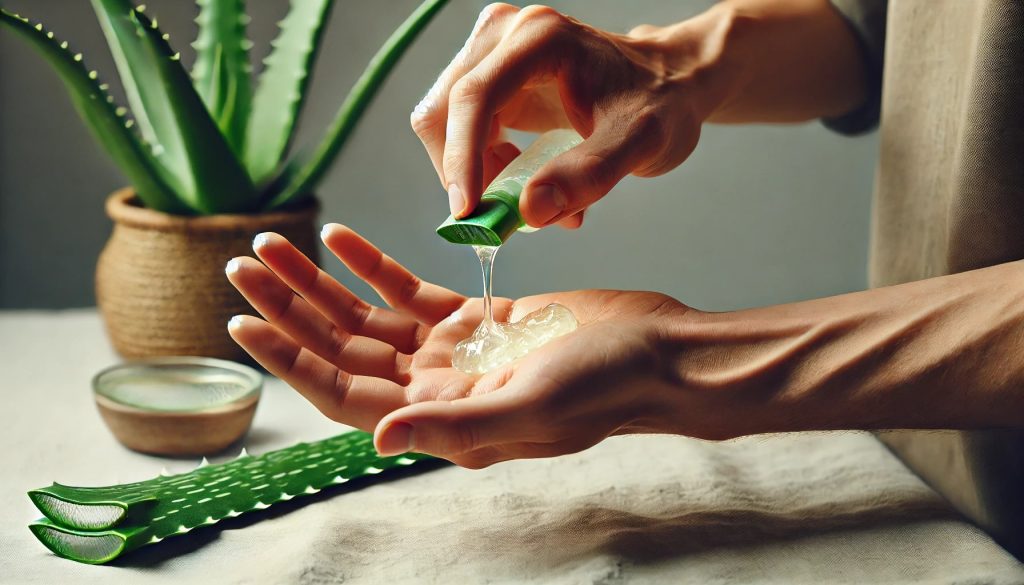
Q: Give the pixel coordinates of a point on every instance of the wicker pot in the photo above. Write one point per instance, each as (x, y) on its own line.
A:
(160, 281)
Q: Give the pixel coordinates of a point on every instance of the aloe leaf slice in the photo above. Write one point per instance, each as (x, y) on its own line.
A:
(107, 121)
(299, 177)
(222, 72)
(282, 87)
(82, 523)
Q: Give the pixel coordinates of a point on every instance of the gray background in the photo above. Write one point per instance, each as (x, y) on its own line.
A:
(758, 215)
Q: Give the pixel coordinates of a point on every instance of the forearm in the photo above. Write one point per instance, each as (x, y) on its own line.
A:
(945, 352)
(768, 61)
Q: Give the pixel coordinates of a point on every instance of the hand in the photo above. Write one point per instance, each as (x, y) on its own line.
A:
(638, 104)
(390, 370)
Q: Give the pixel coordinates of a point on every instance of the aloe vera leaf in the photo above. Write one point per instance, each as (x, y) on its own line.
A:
(222, 72)
(219, 183)
(299, 178)
(167, 506)
(282, 86)
(146, 97)
(107, 121)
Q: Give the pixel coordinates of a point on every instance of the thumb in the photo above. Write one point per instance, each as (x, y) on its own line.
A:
(582, 175)
(449, 428)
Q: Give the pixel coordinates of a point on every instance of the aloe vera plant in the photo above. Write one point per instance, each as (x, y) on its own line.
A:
(206, 142)
(98, 524)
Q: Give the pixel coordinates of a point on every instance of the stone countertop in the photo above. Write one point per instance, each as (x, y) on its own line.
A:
(793, 509)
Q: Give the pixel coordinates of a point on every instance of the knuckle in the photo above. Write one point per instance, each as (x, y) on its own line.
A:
(339, 340)
(542, 23)
(335, 409)
(423, 121)
(642, 30)
(469, 88)
(538, 14)
(453, 161)
(494, 11)
(409, 288)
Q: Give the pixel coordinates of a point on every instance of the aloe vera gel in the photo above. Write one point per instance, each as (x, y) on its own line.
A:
(495, 343)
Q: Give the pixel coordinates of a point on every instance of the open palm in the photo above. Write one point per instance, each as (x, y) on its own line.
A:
(356, 362)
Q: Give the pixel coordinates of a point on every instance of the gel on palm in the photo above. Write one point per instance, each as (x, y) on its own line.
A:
(493, 343)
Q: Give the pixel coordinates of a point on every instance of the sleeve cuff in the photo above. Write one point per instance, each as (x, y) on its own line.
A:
(867, 20)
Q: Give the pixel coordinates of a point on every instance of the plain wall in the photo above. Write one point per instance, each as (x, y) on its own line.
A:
(758, 215)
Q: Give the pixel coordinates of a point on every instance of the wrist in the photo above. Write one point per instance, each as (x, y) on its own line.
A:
(691, 58)
(748, 61)
(719, 387)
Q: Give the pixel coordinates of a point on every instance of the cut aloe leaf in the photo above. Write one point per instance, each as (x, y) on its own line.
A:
(106, 120)
(300, 176)
(98, 524)
(88, 547)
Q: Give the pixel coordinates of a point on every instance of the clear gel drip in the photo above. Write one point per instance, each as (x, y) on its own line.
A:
(494, 343)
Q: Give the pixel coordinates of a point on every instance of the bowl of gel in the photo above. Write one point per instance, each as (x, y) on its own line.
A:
(178, 405)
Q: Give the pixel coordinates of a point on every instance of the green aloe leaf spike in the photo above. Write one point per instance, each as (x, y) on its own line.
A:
(282, 87)
(297, 180)
(106, 120)
(146, 97)
(222, 72)
(96, 525)
(218, 182)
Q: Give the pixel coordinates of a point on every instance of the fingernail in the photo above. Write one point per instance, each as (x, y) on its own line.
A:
(325, 231)
(396, 439)
(456, 202)
(547, 202)
(259, 241)
(232, 266)
(235, 322)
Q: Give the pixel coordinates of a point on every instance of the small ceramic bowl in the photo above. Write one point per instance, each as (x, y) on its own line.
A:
(178, 405)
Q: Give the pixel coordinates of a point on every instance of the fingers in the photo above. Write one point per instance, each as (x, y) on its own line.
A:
(308, 327)
(353, 400)
(496, 158)
(400, 289)
(573, 222)
(579, 177)
(334, 300)
(529, 49)
(450, 428)
(429, 118)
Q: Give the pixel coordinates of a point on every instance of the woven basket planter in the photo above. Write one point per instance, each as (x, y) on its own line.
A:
(160, 281)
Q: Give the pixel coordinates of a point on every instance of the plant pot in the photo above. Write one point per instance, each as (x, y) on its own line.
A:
(160, 282)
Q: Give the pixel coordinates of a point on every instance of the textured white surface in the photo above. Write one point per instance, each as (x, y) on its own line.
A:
(794, 509)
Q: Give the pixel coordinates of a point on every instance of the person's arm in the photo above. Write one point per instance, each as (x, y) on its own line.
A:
(939, 353)
(639, 99)
(946, 352)
(771, 61)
